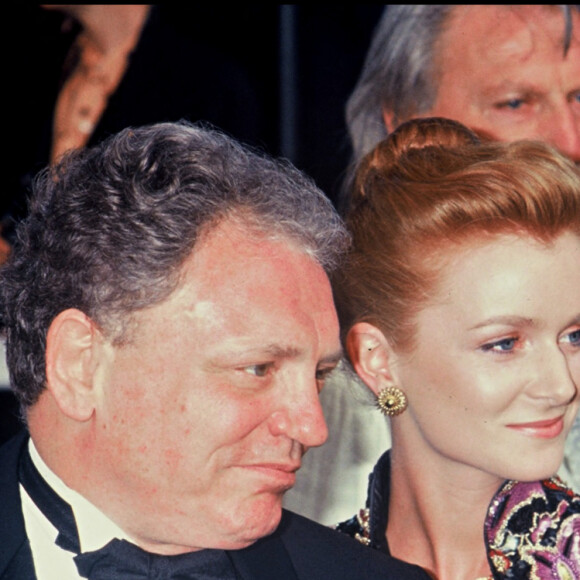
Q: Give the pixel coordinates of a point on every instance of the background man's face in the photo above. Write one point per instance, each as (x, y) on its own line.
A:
(504, 73)
(210, 406)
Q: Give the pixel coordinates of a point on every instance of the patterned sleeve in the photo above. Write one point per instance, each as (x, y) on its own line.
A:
(533, 531)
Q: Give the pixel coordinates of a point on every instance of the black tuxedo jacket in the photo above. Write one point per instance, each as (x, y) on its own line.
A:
(298, 550)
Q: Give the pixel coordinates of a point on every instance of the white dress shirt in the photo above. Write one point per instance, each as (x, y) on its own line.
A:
(95, 529)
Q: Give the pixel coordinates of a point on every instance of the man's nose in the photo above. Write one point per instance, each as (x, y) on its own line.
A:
(300, 416)
(562, 129)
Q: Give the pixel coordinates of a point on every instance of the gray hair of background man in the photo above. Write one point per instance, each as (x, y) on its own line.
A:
(110, 227)
(399, 73)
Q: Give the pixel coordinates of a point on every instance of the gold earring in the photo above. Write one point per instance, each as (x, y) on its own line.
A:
(392, 401)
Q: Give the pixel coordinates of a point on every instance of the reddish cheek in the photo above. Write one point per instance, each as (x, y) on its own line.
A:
(238, 423)
(255, 418)
(173, 459)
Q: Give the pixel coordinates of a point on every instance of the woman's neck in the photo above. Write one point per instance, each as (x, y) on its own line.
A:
(437, 510)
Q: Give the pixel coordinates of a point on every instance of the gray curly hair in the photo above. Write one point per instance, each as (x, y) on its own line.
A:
(110, 227)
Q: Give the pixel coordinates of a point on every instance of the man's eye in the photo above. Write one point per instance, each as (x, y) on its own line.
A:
(512, 104)
(503, 345)
(260, 370)
(323, 374)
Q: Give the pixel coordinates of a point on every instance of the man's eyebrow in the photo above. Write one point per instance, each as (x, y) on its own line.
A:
(281, 351)
(518, 87)
(333, 358)
(275, 351)
(278, 351)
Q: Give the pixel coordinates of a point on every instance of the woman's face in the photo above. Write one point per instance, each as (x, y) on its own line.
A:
(493, 380)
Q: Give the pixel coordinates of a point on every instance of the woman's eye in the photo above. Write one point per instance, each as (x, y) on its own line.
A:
(260, 370)
(503, 345)
(573, 337)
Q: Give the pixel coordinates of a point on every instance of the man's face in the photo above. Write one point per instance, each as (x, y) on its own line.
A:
(207, 410)
(503, 72)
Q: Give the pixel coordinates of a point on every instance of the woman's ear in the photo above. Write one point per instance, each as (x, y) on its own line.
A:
(73, 344)
(371, 355)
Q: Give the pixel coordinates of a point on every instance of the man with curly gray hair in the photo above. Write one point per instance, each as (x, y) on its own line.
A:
(169, 325)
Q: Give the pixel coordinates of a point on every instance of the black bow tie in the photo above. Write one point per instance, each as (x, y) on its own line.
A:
(119, 559)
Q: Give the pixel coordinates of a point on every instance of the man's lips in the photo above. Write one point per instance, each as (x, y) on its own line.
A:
(285, 467)
(546, 429)
(279, 474)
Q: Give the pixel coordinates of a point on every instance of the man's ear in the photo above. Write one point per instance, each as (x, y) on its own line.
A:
(371, 356)
(389, 120)
(73, 344)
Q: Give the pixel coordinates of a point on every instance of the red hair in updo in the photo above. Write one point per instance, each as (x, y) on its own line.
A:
(433, 184)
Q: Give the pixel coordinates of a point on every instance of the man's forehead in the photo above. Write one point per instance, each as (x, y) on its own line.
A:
(514, 29)
(239, 263)
(245, 234)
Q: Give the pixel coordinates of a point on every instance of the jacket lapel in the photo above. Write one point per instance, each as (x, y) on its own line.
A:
(15, 555)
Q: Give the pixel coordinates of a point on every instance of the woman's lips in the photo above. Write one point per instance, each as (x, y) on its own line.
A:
(547, 429)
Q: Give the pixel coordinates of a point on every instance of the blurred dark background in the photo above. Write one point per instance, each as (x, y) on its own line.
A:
(297, 65)
(300, 62)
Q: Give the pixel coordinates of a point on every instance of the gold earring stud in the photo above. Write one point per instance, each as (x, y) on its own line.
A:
(392, 401)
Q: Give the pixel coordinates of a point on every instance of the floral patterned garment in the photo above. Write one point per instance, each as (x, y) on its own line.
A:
(533, 531)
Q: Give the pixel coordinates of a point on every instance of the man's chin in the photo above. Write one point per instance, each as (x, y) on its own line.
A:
(235, 527)
(260, 523)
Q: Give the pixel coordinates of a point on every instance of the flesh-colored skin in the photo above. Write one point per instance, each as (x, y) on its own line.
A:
(503, 73)
(498, 354)
(492, 386)
(194, 428)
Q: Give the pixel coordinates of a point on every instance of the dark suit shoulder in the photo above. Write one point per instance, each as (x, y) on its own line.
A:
(318, 551)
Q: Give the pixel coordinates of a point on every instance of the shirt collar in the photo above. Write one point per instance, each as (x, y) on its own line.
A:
(95, 529)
